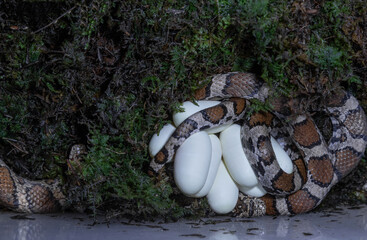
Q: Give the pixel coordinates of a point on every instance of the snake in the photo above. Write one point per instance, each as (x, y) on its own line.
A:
(31, 196)
(317, 164)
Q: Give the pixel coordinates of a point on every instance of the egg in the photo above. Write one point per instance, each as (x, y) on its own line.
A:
(192, 161)
(235, 158)
(256, 191)
(190, 108)
(223, 195)
(218, 129)
(282, 157)
(158, 140)
(213, 167)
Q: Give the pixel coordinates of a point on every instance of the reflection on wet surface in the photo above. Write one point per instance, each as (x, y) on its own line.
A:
(340, 223)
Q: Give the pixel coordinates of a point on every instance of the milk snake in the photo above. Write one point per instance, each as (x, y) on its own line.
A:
(317, 165)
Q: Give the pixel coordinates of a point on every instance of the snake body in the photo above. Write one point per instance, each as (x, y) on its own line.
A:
(317, 165)
(22, 195)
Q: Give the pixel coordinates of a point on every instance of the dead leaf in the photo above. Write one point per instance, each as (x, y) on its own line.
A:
(312, 11)
(357, 36)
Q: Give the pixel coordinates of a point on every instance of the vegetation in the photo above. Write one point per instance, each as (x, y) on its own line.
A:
(108, 74)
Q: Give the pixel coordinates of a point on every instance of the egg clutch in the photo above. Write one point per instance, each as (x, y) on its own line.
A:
(212, 162)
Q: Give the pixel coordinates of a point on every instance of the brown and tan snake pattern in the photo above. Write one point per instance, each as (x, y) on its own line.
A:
(22, 195)
(317, 165)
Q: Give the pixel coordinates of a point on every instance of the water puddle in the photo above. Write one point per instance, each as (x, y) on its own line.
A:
(340, 223)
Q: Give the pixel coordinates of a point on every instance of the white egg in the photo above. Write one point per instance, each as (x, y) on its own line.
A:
(213, 168)
(223, 195)
(218, 129)
(190, 108)
(158, 141)
(235, 158)
(257, 191)
(192, 163)
(282, 157)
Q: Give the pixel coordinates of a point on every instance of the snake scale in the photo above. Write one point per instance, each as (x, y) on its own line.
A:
(317, 165)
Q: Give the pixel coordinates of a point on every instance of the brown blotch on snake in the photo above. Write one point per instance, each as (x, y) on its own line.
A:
(7, 188)
(214, 114)
(301, 202)
(270, 204)
(160, 157)
(302, 168)
(282, 182)
(321, 170)
(261, 118)
(240, 105)
(348, 160)
(305, 134)
(200, 94)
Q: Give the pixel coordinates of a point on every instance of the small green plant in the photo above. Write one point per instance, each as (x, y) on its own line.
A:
(327, 57)
(93, 14)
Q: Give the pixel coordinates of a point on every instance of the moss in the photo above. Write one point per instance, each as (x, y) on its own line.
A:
(108, 74)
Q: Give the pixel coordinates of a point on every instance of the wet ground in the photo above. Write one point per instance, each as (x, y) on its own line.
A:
(340, 223)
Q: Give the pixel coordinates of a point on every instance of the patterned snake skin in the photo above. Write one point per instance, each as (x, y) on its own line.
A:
(317, 165)
(22, 195)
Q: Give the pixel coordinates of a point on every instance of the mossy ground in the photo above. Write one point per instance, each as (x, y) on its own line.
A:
(108, 74)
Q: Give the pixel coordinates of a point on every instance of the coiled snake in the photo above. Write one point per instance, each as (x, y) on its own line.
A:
(317, 165)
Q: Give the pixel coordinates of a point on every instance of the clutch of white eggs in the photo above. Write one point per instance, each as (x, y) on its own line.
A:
(217, 168)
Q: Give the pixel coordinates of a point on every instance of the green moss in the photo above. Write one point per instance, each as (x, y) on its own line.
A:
(116, 173)
(13, 115)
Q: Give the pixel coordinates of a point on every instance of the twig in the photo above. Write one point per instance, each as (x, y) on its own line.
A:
(119, 153)
(55, 21)
(10, 141)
